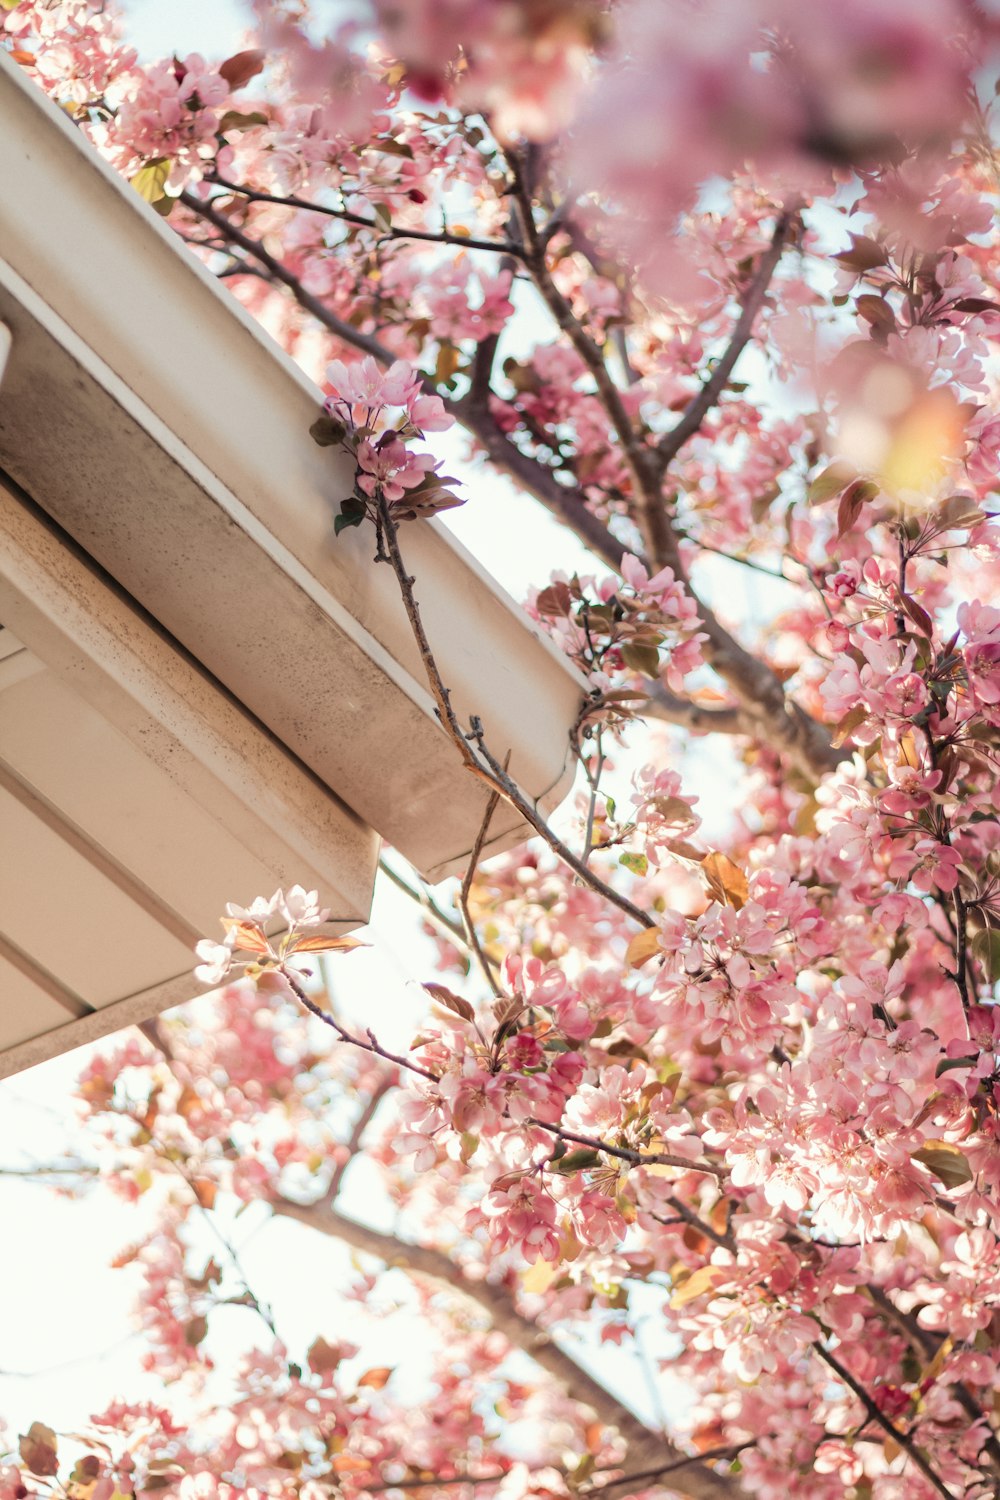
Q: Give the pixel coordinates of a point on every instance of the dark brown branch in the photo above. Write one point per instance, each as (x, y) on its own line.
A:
(479, 761)
(565, 502)
(650, 514)
(760, 691)
(438, 237)
(369, 1045)
(697, 410)
(312, 305)
(904, 1440)
(645, 1476)
(644, 1447)
(464, 894)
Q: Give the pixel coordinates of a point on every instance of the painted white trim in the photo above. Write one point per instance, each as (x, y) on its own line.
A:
(158, 365)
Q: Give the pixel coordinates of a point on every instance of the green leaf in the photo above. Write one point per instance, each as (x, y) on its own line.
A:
(644, 659)
(352, 513)
(637, 863)
(327, 431)
(578, 1161)
(383, 217)
(945, 1161)
(151, 180)
(830, 482)
(849, 723)
(986, 946)
(449, 362)
(234, 119)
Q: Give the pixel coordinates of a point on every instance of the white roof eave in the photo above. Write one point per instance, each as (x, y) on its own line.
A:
(136, 798)
(153, 420)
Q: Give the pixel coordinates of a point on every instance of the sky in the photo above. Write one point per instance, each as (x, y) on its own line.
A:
(68, 1340)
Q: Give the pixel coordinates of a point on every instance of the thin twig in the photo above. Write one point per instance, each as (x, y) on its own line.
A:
(628, 1154)
(484, 765)
(393, 232)
(760, 691)
(451, 929)
(428, 1484)
(698, 408)
(730, 1451)
(725, 1238)
(371, 1045)
(466, 891)
(903, 1439)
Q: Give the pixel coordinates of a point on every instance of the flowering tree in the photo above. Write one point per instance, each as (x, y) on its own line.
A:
(752, 1086)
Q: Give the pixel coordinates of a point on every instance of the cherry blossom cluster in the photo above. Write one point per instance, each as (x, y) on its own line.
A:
(373, 414)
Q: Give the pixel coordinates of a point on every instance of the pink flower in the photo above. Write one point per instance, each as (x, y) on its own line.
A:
(391, 468)
(216, 960)
(521, 1217)
(928, 864)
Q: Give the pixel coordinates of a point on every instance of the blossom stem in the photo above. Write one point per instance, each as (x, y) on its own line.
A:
(483, 764)
(371, 1045)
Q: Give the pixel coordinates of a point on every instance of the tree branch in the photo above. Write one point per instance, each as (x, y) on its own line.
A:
(697, 410)
(903, 1439)
(759, 690)
(438, 237)
(478, 760)
(310, 304)
(644, 1448)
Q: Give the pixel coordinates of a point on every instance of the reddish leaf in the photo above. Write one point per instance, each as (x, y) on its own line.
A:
(205, 1191)
(959, 513)
(555, 601)
(976, 305)
(38, 1450)
(451, 1001)
(918, 615)
(864, 255)
(323, 1358)
(320, 944)
(195, 1330)
(877, 312)
(247, 937)
(375, 1379)
(241, 67)
(857, 494)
